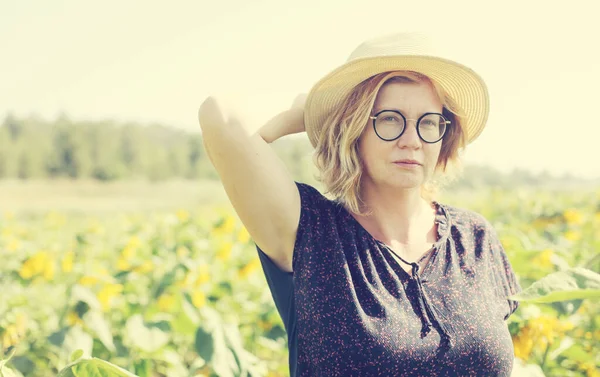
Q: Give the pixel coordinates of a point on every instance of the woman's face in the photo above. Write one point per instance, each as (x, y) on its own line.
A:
(378, 156)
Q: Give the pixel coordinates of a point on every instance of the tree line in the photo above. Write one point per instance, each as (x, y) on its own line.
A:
(33, 148)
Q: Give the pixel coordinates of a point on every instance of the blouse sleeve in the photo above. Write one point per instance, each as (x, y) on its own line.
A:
(506, 280)
(281, 283)
(314, 207)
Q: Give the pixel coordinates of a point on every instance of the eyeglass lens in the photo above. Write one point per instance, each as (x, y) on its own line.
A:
(389, 125)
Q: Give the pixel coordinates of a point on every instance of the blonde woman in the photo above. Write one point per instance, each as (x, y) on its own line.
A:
(381, 280)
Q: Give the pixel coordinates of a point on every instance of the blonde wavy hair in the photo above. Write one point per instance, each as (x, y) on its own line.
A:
(336, 154)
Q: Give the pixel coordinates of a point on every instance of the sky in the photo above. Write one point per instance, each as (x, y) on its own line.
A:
(149, 61)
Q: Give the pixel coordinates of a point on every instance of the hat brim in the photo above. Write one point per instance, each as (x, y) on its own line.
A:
(461, 83)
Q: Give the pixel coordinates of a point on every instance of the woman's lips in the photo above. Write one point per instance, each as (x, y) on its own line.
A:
(407, 164)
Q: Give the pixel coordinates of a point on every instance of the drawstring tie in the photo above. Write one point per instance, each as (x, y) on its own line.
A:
(426, 309)
(429, 311)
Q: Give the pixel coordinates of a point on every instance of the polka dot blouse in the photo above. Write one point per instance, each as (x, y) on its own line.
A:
(350, 309)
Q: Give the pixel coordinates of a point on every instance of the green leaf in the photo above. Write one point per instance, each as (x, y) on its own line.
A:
(76, 355)
(224, 362)
(205, 346)
(575, 283)
(57, 338)
(565, 344)
(7, 372)
(77, 340)
(232, 335)
(94, 367)
(577, 354)
(95, 321)
(167, 281)
(187, 319)
(175, 365)
(83, 294)
(4, 370)
(143, 368)
(145, 338)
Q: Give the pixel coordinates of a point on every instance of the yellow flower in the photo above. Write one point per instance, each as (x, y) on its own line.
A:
(10, 337)
(88, 280)
(182, 251)
(540, 223)
(188, 279)
(226, 226)
(567, 326)
(590, 369)
(203, 275)
(101, 271)
(134, 242)
(588, 335)
(67, 261)
(123, 264)
(224, 251)
(145, 267)
(38, 264)
(128, 252)
(198, 299)
(243, 236)
(49, 271)
(73, 319)
(13, 332)
(26, 271)
(249, 268)
(523, 343)
(573, 217)
(106, 294)
(541, 331)
(13, 244)
(572, 235)
(21, 323)
(166, 302)
(182, 215)
(543, 259)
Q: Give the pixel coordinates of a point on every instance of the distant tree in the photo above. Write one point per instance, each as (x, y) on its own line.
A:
(107, 150)
(13, 126)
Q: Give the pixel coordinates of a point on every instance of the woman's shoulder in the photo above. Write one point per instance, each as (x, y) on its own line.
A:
(311, 196)
(467, 219)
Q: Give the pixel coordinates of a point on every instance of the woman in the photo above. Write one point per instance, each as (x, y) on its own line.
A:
(382, 280)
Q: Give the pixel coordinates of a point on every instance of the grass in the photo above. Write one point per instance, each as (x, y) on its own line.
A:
(97, 197)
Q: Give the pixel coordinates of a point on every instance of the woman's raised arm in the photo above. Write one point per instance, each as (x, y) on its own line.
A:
(258, 184)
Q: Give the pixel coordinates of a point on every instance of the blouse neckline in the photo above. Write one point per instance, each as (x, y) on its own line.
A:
(430, 316)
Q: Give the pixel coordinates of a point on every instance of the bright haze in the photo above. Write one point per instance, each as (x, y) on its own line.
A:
(152, 62)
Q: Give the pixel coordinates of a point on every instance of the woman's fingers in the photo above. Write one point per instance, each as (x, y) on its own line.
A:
(299, 101)
(210, 112)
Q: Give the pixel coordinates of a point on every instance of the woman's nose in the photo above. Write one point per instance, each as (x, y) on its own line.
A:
(410, 136)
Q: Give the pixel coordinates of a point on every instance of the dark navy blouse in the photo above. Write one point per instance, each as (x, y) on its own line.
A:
(349, 308)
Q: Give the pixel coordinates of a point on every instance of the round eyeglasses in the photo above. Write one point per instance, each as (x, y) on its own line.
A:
(389, 125)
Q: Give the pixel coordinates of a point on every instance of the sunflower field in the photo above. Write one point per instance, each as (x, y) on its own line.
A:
(181, 293)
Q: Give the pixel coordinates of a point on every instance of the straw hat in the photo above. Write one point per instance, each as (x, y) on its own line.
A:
(404, 51)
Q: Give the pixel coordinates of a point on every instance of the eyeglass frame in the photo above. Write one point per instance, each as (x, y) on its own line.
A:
(446, 123)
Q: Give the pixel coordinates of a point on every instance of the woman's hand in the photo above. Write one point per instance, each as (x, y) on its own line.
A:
(288, 122)
(218, 112)
(299, 101)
